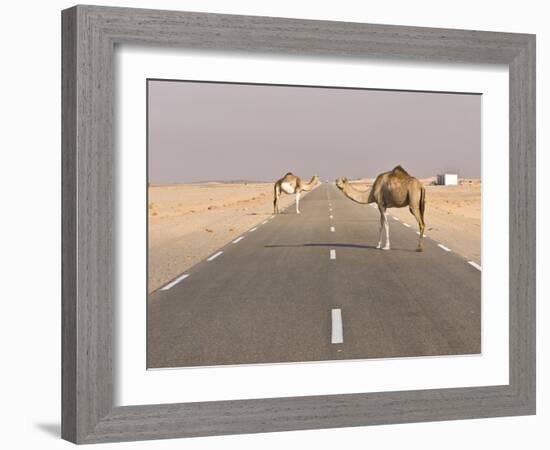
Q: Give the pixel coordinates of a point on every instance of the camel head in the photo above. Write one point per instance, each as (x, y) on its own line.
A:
(315, 180)
(341, 182)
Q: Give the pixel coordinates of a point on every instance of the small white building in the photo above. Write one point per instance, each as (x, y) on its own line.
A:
(447, 179)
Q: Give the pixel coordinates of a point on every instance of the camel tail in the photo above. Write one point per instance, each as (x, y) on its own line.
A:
(422, 202)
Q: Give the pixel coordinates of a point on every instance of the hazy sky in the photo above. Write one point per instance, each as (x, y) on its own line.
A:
(223, 132)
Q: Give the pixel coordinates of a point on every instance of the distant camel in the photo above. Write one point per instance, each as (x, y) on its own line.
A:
(291, 184)
(393, 189)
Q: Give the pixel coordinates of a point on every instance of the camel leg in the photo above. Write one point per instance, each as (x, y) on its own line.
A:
(418, 217)
(381, 230)
(297, 203)
(276, 201)
(387, 227)
(383, 224)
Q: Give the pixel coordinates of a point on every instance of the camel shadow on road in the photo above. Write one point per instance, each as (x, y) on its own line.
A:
(335, 245)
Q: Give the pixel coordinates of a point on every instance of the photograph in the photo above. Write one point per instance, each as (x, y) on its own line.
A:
(296, 224)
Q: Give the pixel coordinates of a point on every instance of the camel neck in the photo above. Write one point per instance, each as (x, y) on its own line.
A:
(307, 186)
(357, 195)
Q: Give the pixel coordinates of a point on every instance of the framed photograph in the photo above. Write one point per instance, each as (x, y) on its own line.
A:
(278, 224)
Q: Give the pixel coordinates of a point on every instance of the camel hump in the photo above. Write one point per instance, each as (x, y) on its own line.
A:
(399, 169)
(288, 173)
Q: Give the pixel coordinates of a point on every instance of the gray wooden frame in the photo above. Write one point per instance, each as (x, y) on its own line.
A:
(89, 36)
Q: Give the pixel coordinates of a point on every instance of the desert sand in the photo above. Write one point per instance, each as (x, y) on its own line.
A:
(188, 222)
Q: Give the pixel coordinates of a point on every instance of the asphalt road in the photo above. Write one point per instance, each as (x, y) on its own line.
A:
(296, 289)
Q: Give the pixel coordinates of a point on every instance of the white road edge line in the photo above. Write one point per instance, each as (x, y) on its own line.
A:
(406, 224)
(215, 255)
(264, 222)
(337, 328)
(477, 266)
(176, 281)
(332, 229)
(239, 239)
(252, 229)
(444, 248)
(332, 254)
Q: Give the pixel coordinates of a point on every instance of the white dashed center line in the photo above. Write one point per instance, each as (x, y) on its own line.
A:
(331, 217)
(239, 239)
(443, 247)
(337, 328)
(406, 224)
(264, 222)
(395, 218)
(333, 254)
(214, 256)
(253, 229)
(332, 229)
(174, 282)
(477, 266)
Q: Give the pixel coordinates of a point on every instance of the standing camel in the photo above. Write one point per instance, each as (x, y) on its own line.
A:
(291, 184)
(393, 189)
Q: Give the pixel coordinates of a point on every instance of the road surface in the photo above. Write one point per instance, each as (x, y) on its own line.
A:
(313, 287)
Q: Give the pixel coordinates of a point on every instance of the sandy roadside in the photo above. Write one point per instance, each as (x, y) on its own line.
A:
(452, 216)
(188, 222)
